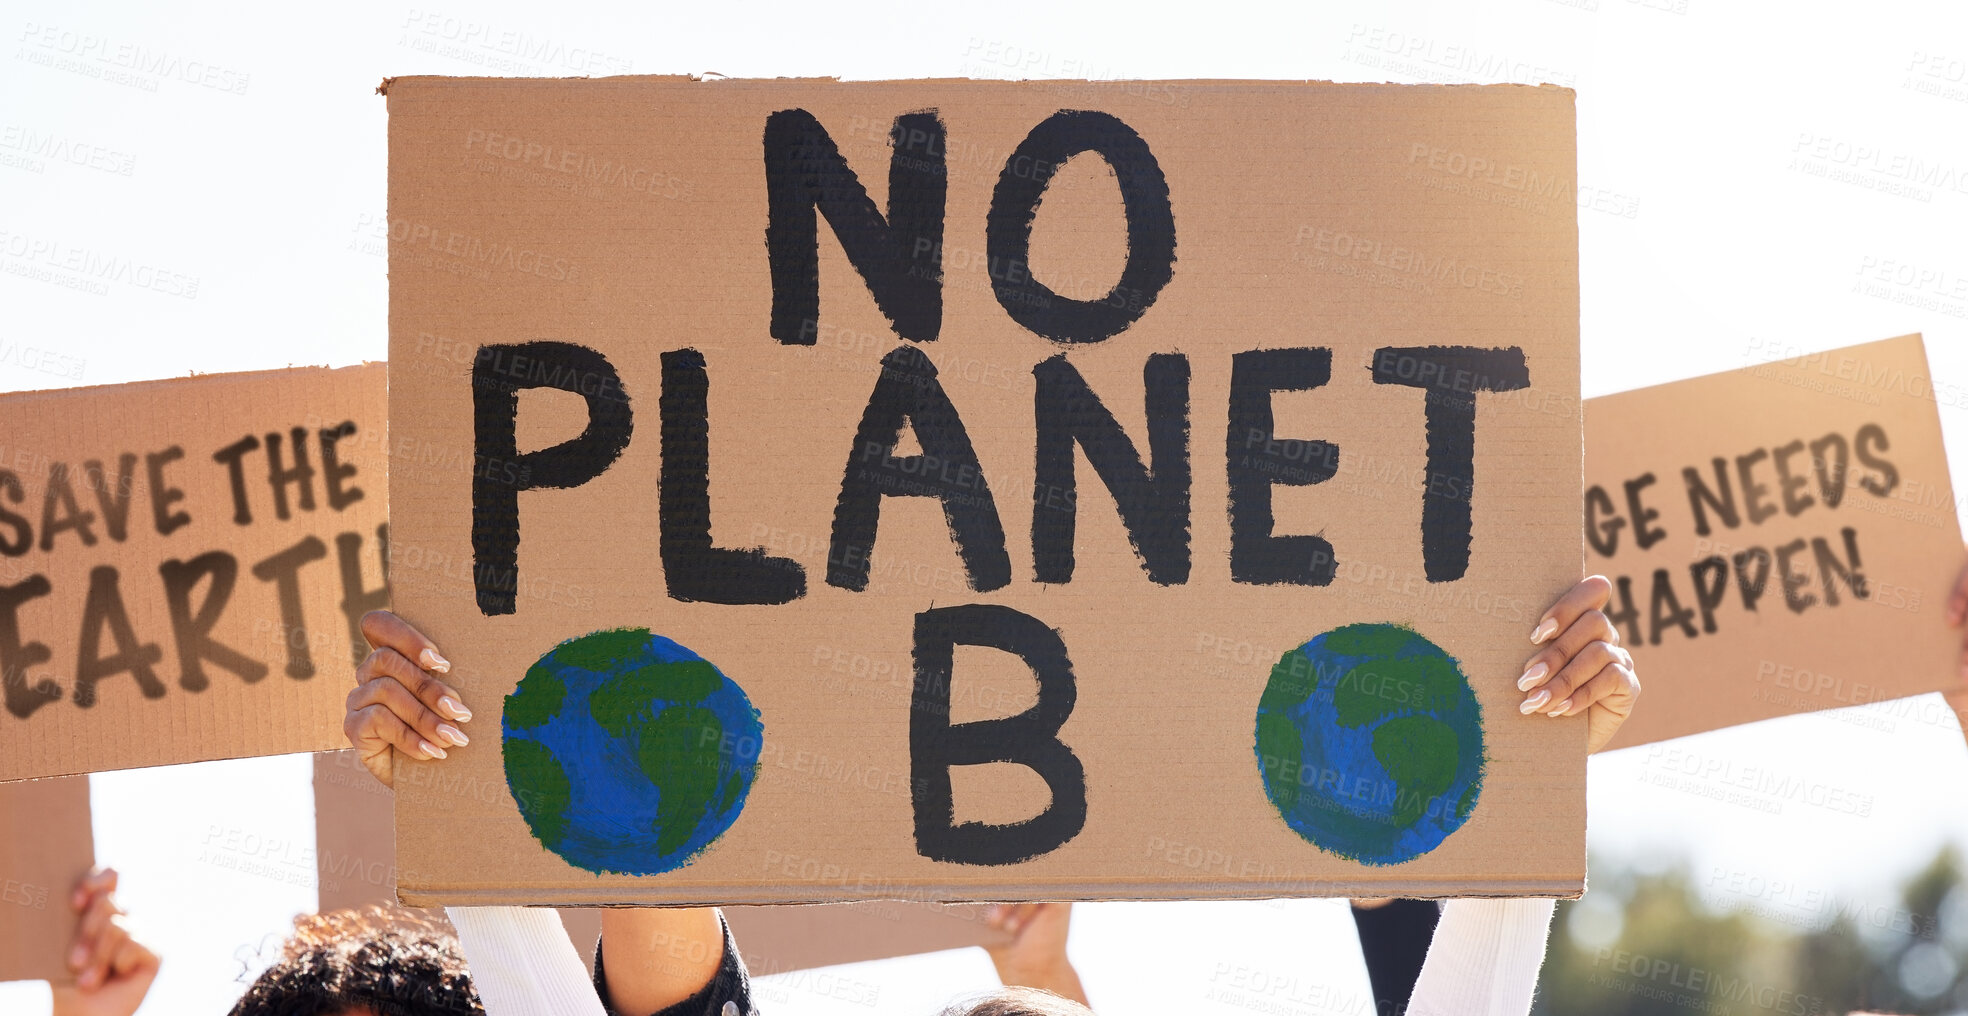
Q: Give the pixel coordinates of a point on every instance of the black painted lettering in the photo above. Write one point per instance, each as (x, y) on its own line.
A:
(1790, 486)
(284, 571)
(693, 569)
(1602, 534)
(234, 457)
(1154, 506)
(1871, 437)
(1752, 574)
(1257, 461)
(357, 599)
(60, 496)
(1702, 500)
(1643, 535)
(1831, 569)
(1015, 206)
(115, 504)
(1830, 467)
(1451, 375)
(333, 472)
(17, 656)
(497, 378)
(104, 609)
(192, 629)
(908, 392)
(1030, 738)
(900, 258)
(163, 495)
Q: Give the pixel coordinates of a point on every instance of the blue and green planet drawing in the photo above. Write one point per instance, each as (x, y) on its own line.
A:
(628, 753)
(1370, 742)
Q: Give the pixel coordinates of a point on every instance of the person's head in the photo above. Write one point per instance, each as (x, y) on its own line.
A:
(1019, 1002)
(375, 961)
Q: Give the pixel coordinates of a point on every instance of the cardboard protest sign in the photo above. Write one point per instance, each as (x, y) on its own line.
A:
(1781, 538)
(760, 533)
(47, 846)
(776, 940)
(182, 564)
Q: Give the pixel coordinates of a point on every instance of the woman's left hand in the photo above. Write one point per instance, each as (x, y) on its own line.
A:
(1582, 667)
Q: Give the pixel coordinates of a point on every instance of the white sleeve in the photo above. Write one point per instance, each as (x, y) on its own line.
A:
(1484, 959)
(523, 963)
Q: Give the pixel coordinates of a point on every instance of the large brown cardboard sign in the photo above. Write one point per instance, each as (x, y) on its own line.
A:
(1781, 538)
(182, 563)
(852, 523)
(47, 843)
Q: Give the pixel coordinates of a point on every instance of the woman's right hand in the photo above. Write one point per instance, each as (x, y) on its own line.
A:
(397, 702)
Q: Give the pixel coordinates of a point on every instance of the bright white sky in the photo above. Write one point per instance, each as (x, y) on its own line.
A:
(1699, 116)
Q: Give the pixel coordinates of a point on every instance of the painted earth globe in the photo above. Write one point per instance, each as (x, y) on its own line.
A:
(1370, 743)
(627, 752)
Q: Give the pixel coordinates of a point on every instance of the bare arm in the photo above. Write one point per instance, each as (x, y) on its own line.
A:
(657, 957)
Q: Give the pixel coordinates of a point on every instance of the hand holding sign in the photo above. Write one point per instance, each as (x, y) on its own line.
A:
(397, 703)
(1584, 669)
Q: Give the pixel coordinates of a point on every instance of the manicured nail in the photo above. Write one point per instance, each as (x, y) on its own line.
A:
(77, 956)
(1545, 629)
(1531, 704)
(452, 734)
(454, 708)
(431, 750)
(431, 661)
(1533, 676)
(1559, 709)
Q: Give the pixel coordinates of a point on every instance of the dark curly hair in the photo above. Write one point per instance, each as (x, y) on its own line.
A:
(390, 960)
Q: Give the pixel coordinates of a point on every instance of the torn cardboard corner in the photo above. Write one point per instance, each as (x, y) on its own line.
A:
(962, 491)
(1781, 538)
(48, 846)
(185, 564)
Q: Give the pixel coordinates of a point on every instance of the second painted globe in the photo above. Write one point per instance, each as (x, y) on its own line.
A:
(628, 753)
(1370, 743)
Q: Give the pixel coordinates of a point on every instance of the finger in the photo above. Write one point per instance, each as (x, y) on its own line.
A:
(1615, 688)
(87, 951)
(101, 880)
(1555, 696)
(1591, 593)
(135, 961)
(111, 942)
(390, 693)
(1590, 626)
(374, 729)
(1957, 606)
(438, 696)
(383, 628)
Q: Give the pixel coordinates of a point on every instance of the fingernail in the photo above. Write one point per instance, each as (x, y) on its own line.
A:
(431, 661)
(452, 734)
(431, 750)
(1531, 704)
(88, 979)
(1545, 629)
(1559, 709)
(1533, 676)
(455, 708)
(78, 956)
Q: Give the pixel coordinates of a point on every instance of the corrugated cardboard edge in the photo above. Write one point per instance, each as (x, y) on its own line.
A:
(383, 89)
(193, 378)
(476, 896)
